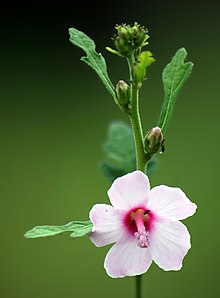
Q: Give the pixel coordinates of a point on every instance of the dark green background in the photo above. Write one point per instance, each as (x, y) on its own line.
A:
(54, 115)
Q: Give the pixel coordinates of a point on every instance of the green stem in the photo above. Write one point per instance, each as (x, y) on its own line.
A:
(137, 130)
(141, 156)
(138, 286)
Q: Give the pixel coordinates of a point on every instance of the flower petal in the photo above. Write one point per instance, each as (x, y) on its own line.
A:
(170, 203)
(126, 258)
(108, 224)
(129, 191)
(168, 244)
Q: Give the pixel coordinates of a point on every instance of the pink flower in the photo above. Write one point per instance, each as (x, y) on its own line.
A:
(144, 225)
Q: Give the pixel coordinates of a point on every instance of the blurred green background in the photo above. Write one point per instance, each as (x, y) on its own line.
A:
(54, 116)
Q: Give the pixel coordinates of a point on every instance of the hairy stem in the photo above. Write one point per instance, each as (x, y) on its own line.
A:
(141, 156)
(137, 131)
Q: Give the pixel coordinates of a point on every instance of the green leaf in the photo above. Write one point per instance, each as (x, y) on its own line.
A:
(174, 76)
(82, 229)
(95, 60)
(144, 60)
(120, 146)
(119, 150)
(111, 171)
(77, 228)
(152, 165)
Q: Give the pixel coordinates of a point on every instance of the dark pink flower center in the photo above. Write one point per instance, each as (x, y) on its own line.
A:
(138, 221)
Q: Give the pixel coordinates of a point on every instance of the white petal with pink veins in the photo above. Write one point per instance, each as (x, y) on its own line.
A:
(168, 244)
(108, 224)
(129, 191)
(126, 258)
(170, 203)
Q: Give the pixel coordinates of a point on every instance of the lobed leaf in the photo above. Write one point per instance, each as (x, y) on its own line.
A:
(78, 229)
(144, 60)
(174, 76)
(95, 60)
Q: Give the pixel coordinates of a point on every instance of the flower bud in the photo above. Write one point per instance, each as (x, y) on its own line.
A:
(153, 140)
(123, 92)
(123, 95)
(122, 46)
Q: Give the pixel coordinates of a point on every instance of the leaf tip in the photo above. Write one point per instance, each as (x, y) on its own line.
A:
(183, 50)
(70, 31)
(27, 235)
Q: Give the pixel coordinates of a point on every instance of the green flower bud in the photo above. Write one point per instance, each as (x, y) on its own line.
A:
(123, 95)
(123, 92)
(153, 140)
(122, 46)
(122, 31)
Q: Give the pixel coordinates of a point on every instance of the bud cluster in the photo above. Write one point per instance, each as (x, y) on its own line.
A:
(129, 39)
